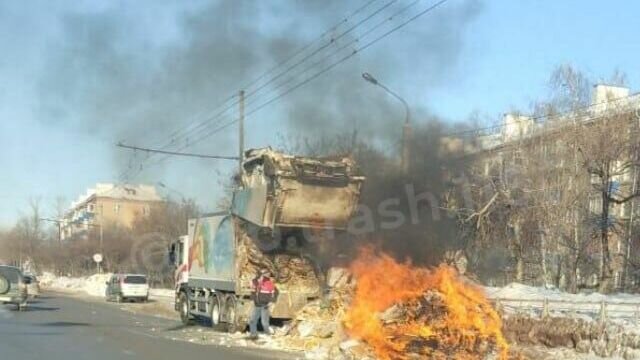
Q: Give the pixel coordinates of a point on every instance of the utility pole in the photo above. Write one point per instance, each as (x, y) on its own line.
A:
(241, 130)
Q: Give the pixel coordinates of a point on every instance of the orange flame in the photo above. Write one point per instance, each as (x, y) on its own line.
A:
(466, 320)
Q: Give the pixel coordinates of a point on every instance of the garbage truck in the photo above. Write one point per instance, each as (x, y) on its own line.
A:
(280, 204)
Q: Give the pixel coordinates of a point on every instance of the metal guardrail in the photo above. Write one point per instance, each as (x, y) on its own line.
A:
(604, 309)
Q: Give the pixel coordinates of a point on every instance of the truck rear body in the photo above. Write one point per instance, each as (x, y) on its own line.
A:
(288, 191)
(226, 256)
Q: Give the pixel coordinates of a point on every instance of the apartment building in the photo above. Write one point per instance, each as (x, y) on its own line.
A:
(520, 138)
(109, 205)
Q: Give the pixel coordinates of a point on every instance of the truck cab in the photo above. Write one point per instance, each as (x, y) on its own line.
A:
(179, 258)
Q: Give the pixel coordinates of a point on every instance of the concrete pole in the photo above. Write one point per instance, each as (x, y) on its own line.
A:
(241, 131)
(101, 249)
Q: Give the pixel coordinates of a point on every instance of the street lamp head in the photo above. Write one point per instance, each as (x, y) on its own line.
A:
(368, 77)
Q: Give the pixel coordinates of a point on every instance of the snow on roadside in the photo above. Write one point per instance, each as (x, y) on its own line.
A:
(74, 284)
(520, 291)
(621, 309)
(162, 293)
(94, 285)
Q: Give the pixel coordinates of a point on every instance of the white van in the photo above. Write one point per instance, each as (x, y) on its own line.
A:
(123, 287)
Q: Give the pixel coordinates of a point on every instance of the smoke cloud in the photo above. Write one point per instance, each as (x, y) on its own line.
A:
(129, 75)
(126, 74)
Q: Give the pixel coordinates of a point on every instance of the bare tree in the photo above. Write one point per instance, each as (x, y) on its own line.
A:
(609, 163)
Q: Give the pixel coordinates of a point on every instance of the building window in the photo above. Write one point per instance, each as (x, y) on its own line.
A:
(145, 210)
(91, 208)
(619, 246)
(595, 204)
(116, 208)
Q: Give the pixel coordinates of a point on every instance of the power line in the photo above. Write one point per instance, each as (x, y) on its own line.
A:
(304, 48)
(205, 156)
(210, 121)
(354, 41)
(331, 42)
(327, 68)
(176, 133)
(289, 58)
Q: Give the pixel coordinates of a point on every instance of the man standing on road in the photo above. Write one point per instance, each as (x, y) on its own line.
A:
(265, 293)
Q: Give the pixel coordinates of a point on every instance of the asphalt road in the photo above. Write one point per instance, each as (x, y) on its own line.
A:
(62, 328)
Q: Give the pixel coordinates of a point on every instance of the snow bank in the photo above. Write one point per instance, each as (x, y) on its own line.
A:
(162, 293)
(48, 280)
(93, 285)
(620, 309)
(525, 292)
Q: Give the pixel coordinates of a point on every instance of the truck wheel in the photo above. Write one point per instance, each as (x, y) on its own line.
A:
(215, 311)
(185, 315)
(230, 310)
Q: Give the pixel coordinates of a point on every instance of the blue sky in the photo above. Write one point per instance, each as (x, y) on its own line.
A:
(495, 57)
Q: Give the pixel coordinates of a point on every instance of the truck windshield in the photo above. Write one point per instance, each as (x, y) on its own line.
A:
(135, 280)
(11, 274)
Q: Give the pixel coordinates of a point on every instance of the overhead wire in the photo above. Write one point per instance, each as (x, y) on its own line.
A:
(176, 137)
(293, 56)
(327, 68)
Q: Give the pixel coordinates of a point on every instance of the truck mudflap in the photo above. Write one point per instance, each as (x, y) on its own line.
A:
(289, 303)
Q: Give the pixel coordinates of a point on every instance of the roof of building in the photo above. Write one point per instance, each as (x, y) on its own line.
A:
(132, 192)
(603, 101)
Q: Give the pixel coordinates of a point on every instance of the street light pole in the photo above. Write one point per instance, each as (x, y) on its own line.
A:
(406, 128)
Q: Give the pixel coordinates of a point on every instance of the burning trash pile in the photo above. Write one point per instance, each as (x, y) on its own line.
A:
(391, 310)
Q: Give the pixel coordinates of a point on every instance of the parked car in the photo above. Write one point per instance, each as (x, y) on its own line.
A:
(33, 285)
(123, 287)
(13, 287)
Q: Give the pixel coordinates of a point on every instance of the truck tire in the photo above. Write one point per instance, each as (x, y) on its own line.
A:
(215, 311)
(231, 315)
(5, 285)
(185, 315)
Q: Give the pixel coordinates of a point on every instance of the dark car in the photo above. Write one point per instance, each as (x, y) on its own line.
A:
(13, 287)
